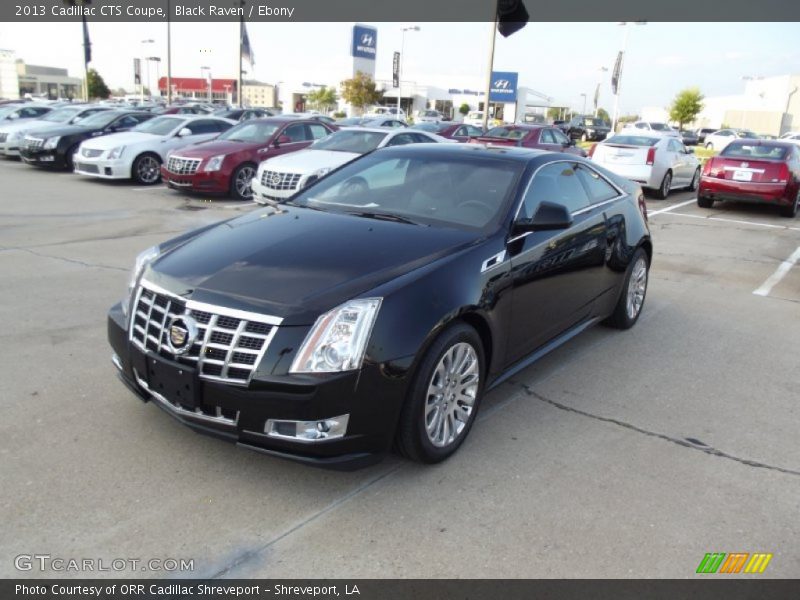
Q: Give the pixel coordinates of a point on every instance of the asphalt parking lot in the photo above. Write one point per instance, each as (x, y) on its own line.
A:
(622, 454)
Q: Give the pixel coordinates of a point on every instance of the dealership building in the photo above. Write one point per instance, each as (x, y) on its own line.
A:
(18, 78)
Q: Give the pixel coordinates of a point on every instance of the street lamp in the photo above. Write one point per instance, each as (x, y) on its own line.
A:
(400, 66)
(618, 73)
(597, 91)
(147, 70)
(584, 104)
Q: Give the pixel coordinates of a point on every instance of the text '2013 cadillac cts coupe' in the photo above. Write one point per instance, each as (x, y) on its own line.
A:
(379, 304)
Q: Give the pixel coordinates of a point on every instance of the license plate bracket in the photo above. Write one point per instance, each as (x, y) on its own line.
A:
(177, 383)
(739, 175)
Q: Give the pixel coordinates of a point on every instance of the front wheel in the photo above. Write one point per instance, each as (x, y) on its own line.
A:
(666, 184)
(709, 146)
(68, 161)
(444, 397)
(695, 178)
(147, 169)
(631, 300)
(241, 182)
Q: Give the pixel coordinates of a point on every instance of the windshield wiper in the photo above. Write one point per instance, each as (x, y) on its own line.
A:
(383, 217)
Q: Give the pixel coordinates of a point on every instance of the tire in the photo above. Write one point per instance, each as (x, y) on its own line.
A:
(240, 182)
(790, 212)
(68, 164)
(709, 146)
(428, 430)
(663, 191)
(695, 180)
(704, 202)
(634, 291)
(584, 137)
(146, 169)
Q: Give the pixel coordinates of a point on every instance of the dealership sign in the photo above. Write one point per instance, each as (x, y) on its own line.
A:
(504, 86)
(365, 42)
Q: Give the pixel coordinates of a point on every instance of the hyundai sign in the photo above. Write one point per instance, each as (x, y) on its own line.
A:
(504, 87)
(365, 42)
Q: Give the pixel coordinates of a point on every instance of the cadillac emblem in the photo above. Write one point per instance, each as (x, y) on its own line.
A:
(745, 165)
(181, 334)
(276, 179)
(178, 165)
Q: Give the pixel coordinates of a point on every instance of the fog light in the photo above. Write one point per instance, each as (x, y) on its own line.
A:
(308, 431)
(108, 171)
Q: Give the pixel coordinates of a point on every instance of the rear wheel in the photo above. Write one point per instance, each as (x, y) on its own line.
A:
(663, 190)
(68, 162)
(790, 211)
(444, 397)
(631, 300)
(695, 178)
(704, 202)
(146, 169)
(709, 146)
(241, 182)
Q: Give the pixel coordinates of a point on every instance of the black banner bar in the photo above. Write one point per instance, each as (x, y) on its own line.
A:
(408, 10)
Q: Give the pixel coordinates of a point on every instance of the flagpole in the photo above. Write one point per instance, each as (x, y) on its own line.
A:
(490, 69)
(169, 55)
(85, 62)
(241, 49)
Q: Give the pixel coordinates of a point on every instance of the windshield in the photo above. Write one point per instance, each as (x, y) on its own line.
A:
(430, 113)
(99, 119)
(7, 110)
(747, 150)
(507, 133)
(659, 127)
(748, 134)
(595, 122)
(349, 121)
(62, 115)
(251, 131)
(159, 125)
(633, 140)
(463, 192)
(359, 142)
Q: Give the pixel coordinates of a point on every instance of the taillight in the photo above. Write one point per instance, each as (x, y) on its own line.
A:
(642, 206)
(707, 166)
(783, 173)
(591, 150)
(651, 156)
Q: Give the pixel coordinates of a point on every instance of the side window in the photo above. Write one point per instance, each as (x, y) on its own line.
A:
(672, 146)
(297, 132)
(203, 126)
(317, 131)
(641, 126)
(725, 133)
(421, 139)
(546, 137)
(560, 137)
(126, 121)
(474, 130)
(599, 189)
(556, 182)
(400, 140)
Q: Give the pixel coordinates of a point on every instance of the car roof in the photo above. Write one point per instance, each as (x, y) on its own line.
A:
(438, 150)
(526, 126)
(374, 129)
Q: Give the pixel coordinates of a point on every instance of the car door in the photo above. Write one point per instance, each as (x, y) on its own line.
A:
(556, 275)
(299, 137)
(678, 162)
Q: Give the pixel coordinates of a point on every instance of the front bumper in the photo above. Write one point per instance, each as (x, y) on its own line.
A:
(372, 397)
(43, 158)
(103, 168)
(202, 181)
(740, 191)
(261, 191)
(10, 148)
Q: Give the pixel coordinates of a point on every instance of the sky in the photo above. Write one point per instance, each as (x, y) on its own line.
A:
(561, 60)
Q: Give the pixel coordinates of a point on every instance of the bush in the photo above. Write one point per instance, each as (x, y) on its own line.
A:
(339, 115)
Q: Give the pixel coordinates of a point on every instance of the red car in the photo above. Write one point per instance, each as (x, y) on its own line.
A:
(542, 137)
(761, 171)
(460, 132)
(227, 164)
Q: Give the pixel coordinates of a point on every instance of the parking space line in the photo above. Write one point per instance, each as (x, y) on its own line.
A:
(737, 221)
(673, 207)
(779, 274)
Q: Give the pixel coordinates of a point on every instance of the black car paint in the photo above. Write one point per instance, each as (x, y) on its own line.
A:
(70, 138)
(555, 282)
(576, 129)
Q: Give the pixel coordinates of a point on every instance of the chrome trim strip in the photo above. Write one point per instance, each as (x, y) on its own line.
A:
(493, 261)
(116, 361)
(750, 169)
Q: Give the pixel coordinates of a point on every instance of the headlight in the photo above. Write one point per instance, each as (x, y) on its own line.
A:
(338, 340)
(142, 260)
(214, 163)
(116, 152)
(51, 143)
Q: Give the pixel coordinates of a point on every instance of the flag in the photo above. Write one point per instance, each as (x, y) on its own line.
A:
(615, 75)
(247, 51)
(87, 45)
(511, 16)
(596, 96)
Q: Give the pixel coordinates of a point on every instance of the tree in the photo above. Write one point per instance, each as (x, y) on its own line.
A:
(602, 113)
(463, 109)
(97, 87)
(686, 106)
(323, 98)
(360, 91)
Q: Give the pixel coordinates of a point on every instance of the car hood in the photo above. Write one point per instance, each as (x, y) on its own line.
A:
(25, 124)
(215, 147)
(125, 138)
(296, 263)
(308, 161)
(59, 130)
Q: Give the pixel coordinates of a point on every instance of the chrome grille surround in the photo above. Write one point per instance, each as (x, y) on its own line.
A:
(183, 166)
(230, 343)
(275, 180)
(31, 143)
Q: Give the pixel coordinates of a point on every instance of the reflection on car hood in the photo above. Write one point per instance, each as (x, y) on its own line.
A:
(125, 138)
(26, 124)
(264, 261)
(215, 147)
(308, 161)
(60, 130)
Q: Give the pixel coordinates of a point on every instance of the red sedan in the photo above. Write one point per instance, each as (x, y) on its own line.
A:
(761, 171)
(227, 164)
(461, 132)
(542, 137)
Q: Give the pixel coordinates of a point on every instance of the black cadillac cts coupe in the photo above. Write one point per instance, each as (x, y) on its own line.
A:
(377, 306)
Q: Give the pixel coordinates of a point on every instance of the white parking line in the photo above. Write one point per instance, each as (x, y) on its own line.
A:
(737, 221)
(149, 188)
(779, 274)
(669, 208)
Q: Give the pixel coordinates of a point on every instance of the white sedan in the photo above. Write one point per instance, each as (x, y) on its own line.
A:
(138, 154)
(719, 140)
(280, 177)
(657, 162)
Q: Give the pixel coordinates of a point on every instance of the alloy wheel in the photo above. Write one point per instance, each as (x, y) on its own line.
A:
(244, 178)
(637, 287)
(665, 185)
(148, 169)
(451, 394)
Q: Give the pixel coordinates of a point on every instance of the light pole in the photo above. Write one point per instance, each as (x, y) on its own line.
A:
(597, 91)
(400, 66)
(147, 70)
(207, 76)
(584, 104)
(157, 60)
(619, 72)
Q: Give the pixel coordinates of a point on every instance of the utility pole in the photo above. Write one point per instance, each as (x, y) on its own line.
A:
(490, 69)
(169, 54)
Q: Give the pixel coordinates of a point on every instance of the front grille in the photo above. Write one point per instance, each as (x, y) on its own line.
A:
(3, 137)
(90, 152)
(31, 143)
(229, 344)
(183, 166)
(275, 180)
(87, 168)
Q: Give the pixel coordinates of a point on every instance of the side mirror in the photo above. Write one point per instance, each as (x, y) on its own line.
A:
(548, 216)
(283, 139)
(184, 132)
(571, 143)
